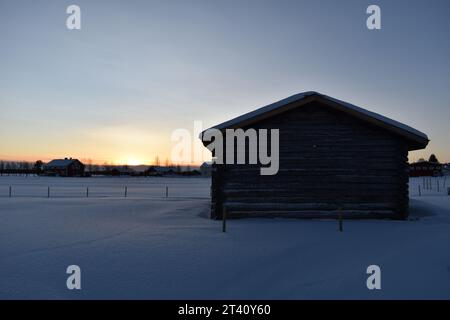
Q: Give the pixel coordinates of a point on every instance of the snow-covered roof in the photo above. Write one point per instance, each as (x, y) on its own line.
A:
(60, 163)
(206, 164)
(255, 115)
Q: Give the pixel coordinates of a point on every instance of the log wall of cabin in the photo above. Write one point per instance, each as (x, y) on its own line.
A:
(328, 160)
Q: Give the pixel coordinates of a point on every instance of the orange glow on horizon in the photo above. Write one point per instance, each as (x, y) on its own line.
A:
(129, 161)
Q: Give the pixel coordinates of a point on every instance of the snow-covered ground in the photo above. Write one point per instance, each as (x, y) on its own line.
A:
(146, 246)
(145, 187)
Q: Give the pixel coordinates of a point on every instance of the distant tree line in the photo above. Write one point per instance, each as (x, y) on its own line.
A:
(432, 158)
(113, 170)
(27, 168)
(21, 167)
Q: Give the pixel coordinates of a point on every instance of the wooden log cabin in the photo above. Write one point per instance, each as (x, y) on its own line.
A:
(334, 159)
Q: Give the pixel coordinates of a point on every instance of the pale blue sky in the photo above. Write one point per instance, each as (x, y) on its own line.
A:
(137, 70)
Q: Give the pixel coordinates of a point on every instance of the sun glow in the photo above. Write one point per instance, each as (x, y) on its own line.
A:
(134, 162)
(129, 161)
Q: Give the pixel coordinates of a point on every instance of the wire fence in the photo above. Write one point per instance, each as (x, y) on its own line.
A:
(101, 188)
(429, 186)
(195, 188)
(13, 191)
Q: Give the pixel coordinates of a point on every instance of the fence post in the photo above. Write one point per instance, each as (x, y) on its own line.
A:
(126, 191)
(224, 219)
(167, 191)
(340, 220)
(87, 192)
(10, 191)
(419, 191)
(48, 192)
(437, 183)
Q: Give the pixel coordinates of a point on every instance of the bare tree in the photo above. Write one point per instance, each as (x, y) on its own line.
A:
(433, 158)
(89, 165)
(38, 166)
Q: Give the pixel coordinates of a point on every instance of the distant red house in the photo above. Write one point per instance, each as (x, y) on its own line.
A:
(66, 167)
(425, 169)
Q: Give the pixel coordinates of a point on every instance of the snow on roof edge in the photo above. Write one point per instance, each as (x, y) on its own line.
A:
(59, 162)
(378, 116)
(263, 110)
(300, 96)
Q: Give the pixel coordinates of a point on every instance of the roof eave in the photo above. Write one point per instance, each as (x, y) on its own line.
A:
(417, 140)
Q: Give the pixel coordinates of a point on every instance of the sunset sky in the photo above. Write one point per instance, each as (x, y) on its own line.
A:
(115, 90)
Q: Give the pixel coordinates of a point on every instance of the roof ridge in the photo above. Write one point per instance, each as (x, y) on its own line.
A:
(300, 96)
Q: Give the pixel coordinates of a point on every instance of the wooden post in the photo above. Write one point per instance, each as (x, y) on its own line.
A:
(167, 191)
(340, 221)
(48, 192)
(126, 191)
(437, 183)
(423, 182)
(87, 192)
(419, 191)
(10, 191)
(224, 219)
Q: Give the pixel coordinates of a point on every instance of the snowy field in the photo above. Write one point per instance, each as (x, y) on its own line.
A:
(145, 187)
(148, 247)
